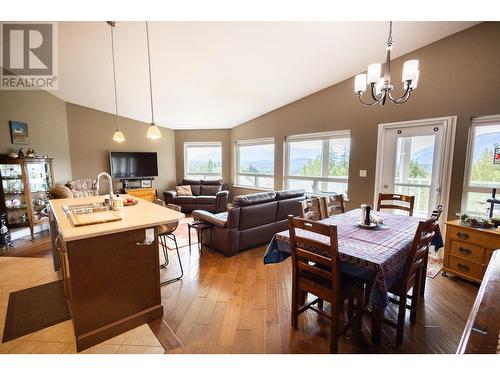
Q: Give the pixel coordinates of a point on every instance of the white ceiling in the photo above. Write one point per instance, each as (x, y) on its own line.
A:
(221, 74)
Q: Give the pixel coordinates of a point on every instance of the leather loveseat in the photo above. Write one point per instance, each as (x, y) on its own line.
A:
(209, 195)
(252, 220)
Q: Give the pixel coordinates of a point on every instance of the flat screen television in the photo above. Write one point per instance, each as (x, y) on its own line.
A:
(133, 164)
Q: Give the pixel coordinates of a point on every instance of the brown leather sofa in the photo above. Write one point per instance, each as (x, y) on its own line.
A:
(252, 220)
(209, 195)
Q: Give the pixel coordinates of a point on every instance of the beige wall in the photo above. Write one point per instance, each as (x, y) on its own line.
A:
(215, 135)
(90, 139)
(45, 115)
(459, 76)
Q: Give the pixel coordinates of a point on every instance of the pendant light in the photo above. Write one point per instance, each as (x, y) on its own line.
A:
(153, 130)
(118, 135)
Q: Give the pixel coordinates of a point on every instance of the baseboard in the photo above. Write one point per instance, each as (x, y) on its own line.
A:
(17, 233)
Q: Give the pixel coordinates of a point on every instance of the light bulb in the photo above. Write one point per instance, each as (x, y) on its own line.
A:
(374, 72)
(118, 136)
(410, 69)
(153, 132)
(378, 86)
(360, 83)
(414, 82)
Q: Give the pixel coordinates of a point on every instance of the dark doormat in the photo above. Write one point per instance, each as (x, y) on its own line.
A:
(32, 309)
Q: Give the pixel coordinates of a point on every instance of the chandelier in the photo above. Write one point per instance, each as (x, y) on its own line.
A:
(381, 87)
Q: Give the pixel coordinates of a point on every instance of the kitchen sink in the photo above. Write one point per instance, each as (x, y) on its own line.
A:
(89, 214)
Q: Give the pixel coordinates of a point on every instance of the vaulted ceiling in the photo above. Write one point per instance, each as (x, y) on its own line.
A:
(220, 74)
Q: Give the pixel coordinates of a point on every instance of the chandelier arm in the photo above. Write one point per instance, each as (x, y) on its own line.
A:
(376, 97)
(364, 103)
(403, 98)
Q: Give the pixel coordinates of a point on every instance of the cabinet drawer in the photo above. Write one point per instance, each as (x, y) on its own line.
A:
(467, 251)
(474, 237)
(464, 267)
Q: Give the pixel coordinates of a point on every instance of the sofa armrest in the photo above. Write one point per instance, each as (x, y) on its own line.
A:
(216, 220)
(169, 196)
(221, 201)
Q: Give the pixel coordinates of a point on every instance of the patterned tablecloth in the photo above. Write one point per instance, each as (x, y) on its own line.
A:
(377, 255)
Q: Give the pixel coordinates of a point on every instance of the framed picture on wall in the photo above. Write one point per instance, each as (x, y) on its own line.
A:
(19, 133)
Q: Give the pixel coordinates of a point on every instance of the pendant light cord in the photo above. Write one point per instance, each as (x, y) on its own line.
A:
(150, 82)
(114, 75)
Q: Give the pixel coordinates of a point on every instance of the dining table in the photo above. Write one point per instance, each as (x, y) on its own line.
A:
(376, 255)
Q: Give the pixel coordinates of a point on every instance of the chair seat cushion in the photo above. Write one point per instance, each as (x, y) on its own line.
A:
(205, 199)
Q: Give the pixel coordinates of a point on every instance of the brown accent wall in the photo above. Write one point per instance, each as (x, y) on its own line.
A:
(45, 115)
(215, 135)
(90, 140)
(459, 76)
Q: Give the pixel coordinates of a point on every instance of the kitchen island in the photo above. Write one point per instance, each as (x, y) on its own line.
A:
(110, 270)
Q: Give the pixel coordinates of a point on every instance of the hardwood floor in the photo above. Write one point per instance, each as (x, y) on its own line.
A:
(41, 247)
(240, 305)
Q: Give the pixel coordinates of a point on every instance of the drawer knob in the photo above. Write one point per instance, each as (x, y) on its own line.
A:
(463, 236)
(463, 267)
(464, 250)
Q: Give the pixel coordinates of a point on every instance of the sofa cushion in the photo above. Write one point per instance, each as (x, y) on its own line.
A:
(184, 200)
(187, 181)
(251, 199)
(254, 216)
(210, 189)
(212, 182)
(201, 199)
(183, 190)
(289, 207)
(288, 194)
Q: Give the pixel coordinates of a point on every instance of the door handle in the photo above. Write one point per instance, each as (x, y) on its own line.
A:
(463, 236)
(463, 267)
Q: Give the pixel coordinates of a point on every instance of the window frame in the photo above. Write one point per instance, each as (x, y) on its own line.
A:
(325, 137)
(467, 188)
(188, 145)
(237, 173)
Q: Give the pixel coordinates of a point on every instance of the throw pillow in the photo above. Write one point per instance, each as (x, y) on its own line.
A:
(183, 190)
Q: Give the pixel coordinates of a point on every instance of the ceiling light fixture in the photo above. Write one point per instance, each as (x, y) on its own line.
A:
(153, 130)
(381, 87)
(118, 135)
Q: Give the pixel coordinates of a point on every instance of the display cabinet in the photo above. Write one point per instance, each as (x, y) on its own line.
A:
(24, 189)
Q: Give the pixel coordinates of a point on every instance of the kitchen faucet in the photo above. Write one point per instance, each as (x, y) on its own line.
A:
(111, 195)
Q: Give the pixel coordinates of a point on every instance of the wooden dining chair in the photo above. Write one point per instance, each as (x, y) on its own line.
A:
(411, 277)
(436, 214)
(409, 199)
(317, 272)
(332, 205)
(311, 209)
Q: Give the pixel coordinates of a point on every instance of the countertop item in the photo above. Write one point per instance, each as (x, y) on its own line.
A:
(142, 215)
(481, 334)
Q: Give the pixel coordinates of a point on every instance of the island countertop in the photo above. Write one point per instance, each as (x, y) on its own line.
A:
(142, 215)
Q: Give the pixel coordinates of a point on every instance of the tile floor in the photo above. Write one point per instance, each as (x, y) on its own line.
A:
(21, 273)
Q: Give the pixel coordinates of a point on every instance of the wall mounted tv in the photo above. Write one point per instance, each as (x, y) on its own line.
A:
(130, 165)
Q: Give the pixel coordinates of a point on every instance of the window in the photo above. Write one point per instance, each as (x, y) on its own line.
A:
(481, 174)
(255, 163)
(318, 163)
(203, 160)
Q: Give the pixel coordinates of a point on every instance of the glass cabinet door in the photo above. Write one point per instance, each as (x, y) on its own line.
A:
(13, 189)
(39, 177)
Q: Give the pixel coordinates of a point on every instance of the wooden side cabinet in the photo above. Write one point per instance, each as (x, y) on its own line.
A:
(468, 250)
(148, 194)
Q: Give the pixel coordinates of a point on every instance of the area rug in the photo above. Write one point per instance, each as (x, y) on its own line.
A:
(434, 265)
(30, 310)
(181, 234)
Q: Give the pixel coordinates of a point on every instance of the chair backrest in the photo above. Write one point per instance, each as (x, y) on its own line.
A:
(419, 248)
(436, 214)
(308, 252)
(311, 209)
(410, 199)
(171, 227)
(332, 204)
